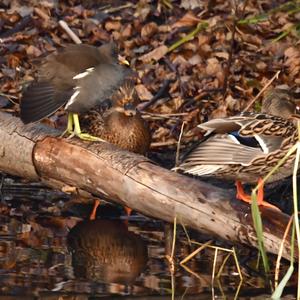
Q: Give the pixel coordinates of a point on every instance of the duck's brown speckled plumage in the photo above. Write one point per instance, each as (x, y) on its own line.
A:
(127, 131)
(228, 156)
(105, 251)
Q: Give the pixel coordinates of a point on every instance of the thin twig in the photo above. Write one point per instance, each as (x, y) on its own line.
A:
(157, 96)
(200, 26)
(262, 90)
(178, 145)
(153, 116)
(223, 265)
(69, 32)
(186, 233)
(41, 14)
(295, 201)
(9, 97)
(171, 258)
(163, 144)
(116, 9)
(191, 255)
(237, 264)
(213, 273)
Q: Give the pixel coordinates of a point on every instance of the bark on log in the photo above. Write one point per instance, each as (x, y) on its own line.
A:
(103, 169)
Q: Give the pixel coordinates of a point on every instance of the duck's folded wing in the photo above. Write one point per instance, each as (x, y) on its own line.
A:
(248, 124)
(227, 125)
(218, 152)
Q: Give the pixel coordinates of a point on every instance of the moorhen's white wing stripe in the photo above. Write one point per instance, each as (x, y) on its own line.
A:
(83, 74)
(73, 97)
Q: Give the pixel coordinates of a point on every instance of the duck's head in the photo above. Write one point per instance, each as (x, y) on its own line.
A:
(281, 103)
(125, 100)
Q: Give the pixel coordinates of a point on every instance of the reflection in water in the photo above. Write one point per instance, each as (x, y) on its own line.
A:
(35, 261)
(104, 250)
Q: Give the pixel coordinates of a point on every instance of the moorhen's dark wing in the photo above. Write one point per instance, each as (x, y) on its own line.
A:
(40, 100)
(56, 83)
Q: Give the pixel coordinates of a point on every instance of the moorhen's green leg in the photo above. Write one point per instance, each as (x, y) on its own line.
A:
(77, 131)
(69, 129)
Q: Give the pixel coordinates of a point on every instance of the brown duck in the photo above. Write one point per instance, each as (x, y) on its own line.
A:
(248, 146)
(104, 250)
(122, 124)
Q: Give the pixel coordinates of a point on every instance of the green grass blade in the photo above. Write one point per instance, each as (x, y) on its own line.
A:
(259, 230)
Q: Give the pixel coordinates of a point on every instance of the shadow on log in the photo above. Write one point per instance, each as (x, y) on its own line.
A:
(102, 169)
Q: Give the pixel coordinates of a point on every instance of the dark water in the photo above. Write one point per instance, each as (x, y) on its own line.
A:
(50, 250)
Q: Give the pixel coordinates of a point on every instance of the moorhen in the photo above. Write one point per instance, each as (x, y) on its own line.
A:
(78, 77)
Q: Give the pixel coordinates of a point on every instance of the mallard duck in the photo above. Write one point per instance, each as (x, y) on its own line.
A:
(121, 125)
(248, 146)
(78, 77)
(105, 251)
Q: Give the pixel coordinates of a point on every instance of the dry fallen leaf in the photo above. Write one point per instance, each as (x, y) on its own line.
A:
(191, 4)
(213, 66)
(220, 112)
(112, 25)
(33, 51)
(188, 20)
(143, 92)
(292, 56)
(149, 30)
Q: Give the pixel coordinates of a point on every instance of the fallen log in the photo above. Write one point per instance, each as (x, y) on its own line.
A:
(33, 152)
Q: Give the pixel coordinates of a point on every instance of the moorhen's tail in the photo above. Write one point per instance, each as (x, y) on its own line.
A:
(40, 100)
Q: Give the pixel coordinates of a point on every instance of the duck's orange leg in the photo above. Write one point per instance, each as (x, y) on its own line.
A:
(260, 195)
(240, 193)
(94, 211)
(128, 210)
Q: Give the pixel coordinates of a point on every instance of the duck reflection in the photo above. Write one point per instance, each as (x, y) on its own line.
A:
(104, 250)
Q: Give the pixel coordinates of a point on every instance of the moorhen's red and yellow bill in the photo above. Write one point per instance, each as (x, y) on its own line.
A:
(78, 77)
